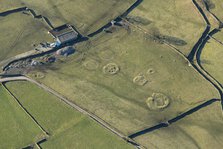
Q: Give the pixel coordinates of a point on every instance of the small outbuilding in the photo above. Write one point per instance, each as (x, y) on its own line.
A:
(65, 51)
(64, 34)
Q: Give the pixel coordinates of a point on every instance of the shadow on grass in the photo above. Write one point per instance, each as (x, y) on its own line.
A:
(171, 121)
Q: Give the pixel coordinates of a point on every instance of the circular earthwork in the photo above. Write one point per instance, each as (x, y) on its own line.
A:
(111, 69)
(140, 80)
(91, 64)
(106, 54)
(158, 101)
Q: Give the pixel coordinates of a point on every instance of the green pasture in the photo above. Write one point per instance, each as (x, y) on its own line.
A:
(202, 129)
(6, 5)
(179, 20)
(219, 36)
(67, 127)
(217, 8)
(18, 130)
(211, 59)
(86, 15)
(19, 32)
(144, 68)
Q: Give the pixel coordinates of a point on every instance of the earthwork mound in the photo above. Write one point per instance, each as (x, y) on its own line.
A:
(140, 80)
(91, 64)
(111, 69)
(158, 101)
(150, 71)
(106, 54)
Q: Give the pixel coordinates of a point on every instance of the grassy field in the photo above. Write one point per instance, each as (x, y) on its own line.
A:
(219, 36)
(9, 4)
(202, 129)
(214, 23)
(173, 18)
(217, 8)
(85, 134)
(211, 59)
(67, 127)
(17, 128)
(144, 68)
(87, 16)
(18, 33)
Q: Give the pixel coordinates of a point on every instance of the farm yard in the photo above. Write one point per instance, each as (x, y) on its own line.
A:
(115, 74)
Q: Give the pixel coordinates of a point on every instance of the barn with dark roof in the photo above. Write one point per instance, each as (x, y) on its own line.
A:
(64, 34)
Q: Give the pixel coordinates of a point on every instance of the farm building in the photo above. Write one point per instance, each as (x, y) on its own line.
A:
(64, 34)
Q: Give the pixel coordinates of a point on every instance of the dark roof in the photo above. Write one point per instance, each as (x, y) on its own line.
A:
(67, 36)
(64, 30)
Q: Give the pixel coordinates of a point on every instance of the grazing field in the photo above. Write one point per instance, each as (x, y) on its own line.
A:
(177, 20)
(17, 128)
(86, 15)
(67, 127)
(116, 75)
(219, 36)
(216, 8)
(9, 5)
(85, 134)
(213, 22)
(202, 129)
(211, 59)
(19, 32)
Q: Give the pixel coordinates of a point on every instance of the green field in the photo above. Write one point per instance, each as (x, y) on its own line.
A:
(213, 22)
(211, 59)
(19, 32)
(17, 128)
(171, 18)
(219, 36)
(133, 75)
(67, 127)
(202, 129)
(85, 134)
(87, 16)
(9, 4)
(145, 67)
(217, 7)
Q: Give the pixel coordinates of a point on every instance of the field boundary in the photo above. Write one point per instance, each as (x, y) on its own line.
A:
(27, 113)
(179, 53)
(109, 24)
(175, 119)
(73, 105)
(217, 40)
(213, 15)
(25, 110)
(31, 11)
